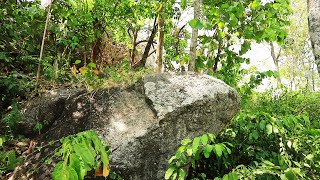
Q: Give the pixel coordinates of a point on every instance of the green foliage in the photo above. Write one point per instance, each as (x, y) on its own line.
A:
(12, 118)
(271, 138)
(37, 127)
(255, 80)
(9, 161)
(81, 153)
(283, 102)
(190, 151)
(238, 23)
(13, 86)
(21, 27)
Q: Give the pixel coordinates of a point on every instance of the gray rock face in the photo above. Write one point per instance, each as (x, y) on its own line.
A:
(314, 29)
(145, 123)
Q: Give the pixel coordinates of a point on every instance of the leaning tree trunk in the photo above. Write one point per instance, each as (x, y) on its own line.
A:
(314, 29)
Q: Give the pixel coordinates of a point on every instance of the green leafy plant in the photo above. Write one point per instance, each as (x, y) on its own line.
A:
(37, 127)
(87, 75)
(81, 153)
(190, 151)
(12, 118)
(9, 160)
(273, 137)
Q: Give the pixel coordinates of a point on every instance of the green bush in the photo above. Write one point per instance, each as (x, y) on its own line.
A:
(271, 138)
(80, 154)
(12, 118)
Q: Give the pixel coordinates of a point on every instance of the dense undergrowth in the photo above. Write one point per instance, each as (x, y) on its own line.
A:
(275, 136)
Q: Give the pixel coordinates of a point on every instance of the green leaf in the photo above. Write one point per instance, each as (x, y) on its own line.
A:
(211, 137)
(233, 176)
(204, 139)
(13, 160)
(221, 25)
(207, 150)
(93, 65)
(76, 165)
(181, 174)
(225, 177)
(174, 175)
(255, 5)
(171, 159)
(195, 145)
(2, 139)
(262, 124)
(290, 174)
(245, 47)
(77, 62)
(269, 73)
(218, 149)
(196, 23)
(266, 162)
(169, 172)
(189, 151)
(269, 129)
(59, 173)
(234, 20)
(85, 154)
(255, 134)
(309, 157)
(276, 6)
(185, 141)
(72, 174)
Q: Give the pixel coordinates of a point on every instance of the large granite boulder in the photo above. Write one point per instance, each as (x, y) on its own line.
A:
(144, 123)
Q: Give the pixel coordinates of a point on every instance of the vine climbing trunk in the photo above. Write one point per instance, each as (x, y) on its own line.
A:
(160, 37)
(314, 29)
(194, 38)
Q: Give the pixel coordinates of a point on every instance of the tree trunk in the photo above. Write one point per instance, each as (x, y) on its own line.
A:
(146, 54)
(276, 62)
(160, 38)
(314, 29)
(194, 37)
(42, 43)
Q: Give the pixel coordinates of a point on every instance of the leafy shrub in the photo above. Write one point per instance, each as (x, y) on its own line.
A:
(282, 102)
(12, 118)
(82, 153)
(12, 86)
(190, 152)
(271, 138)
(8, 159)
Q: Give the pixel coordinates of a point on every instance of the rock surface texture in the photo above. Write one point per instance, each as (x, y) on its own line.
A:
(314, 29)
(144, 123)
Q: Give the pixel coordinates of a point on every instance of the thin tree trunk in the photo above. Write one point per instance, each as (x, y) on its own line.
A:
(160, 38)
(134, 46)
(276, 62)
(145, 55)
(43, 38)
(194, 37)
(314, 29)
